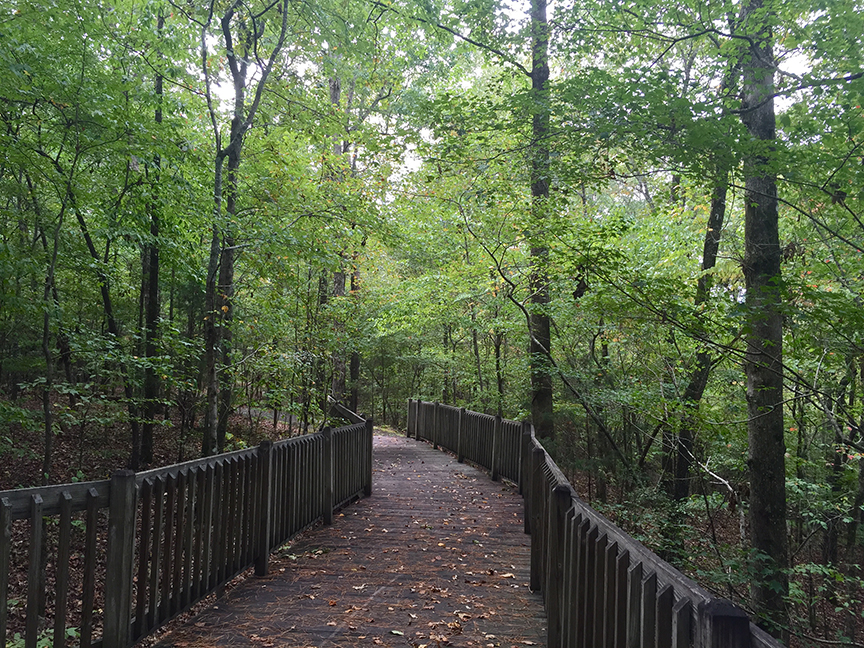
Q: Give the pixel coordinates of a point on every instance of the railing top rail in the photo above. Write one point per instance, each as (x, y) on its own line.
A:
(20, 499)
(173, 469)
(453, 408)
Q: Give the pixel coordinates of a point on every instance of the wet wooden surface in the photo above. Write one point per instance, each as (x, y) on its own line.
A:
(435, 557)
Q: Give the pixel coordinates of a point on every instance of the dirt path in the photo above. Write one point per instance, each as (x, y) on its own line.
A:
(435, 557)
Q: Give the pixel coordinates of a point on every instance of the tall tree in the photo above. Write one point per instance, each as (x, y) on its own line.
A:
(764, 353)
(540, 346)
(242, 33)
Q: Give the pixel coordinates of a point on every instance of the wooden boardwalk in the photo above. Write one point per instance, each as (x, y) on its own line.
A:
(435, 557)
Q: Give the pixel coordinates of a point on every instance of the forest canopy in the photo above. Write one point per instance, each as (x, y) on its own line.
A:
(638, 225)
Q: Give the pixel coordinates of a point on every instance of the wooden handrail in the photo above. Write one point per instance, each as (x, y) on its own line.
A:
(600, 586)
(161, 540)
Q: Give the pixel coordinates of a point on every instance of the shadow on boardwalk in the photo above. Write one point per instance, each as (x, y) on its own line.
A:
(435, 557)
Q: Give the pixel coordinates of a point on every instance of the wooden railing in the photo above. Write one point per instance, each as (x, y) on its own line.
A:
(155, 543)
(601, 588)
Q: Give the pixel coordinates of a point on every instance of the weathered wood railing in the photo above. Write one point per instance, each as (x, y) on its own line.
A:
(156, 542)
(601, 588)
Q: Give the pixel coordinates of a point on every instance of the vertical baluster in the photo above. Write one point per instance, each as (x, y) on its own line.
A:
(167, 549)
(35, 574)
(682, 619)
(649, 611)
(5, 553)
(192, 504)
(179, 534)
(663, 615)
(146, 495)
(89, 568)
(622, 564)
(62, 584)
(158, 497)
(609, 605)
(599, 594)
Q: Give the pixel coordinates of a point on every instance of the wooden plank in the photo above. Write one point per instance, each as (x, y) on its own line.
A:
(5, 553)
(89, 568)
(265, 501)
(559, 504)
(158, 490)
(599, 590)
(189, 538)
(622, 564)
(724, 625)
(120, 560)
(568, 576)
(174, 470)
(179, 535)
(682, 620)
(167, 550)
(217, 542)
(634, 605)
(663, 615)
(582, 583)
(610, 607)
(20, 499)
(649, 611)
(327, 477)
(588, 603)
(64, 543)
(538, 497)
(145, 511)
(35, 574)
(201, 552)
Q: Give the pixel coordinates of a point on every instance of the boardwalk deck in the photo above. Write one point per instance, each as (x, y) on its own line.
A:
(435, 557)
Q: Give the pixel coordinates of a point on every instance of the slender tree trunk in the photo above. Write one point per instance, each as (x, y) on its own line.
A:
(699, 374)
(209, 442)
(540, 346)
(225, 297)
(49, 305)
(764, 357)
(151, 319)
(355, 355)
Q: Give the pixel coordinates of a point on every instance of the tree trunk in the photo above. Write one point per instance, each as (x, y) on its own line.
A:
(150, 286)
(540, 346)
(764, 358)
(49, 305)
(698, 378)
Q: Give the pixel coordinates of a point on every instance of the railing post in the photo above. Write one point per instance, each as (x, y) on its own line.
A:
(367, 485)
(120, 560)
(436, 421)
(497, 450)
(724, 625)
(525, 462)
(537, 455)
(5, 551)
(327, 433)
(525, 475)
(560, 501)
(265, 488)
(460, 433)
(409, 419)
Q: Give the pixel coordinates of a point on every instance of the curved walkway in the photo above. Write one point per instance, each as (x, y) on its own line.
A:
(435, 557)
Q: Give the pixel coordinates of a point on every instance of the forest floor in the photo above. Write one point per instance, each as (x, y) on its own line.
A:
(93, 445)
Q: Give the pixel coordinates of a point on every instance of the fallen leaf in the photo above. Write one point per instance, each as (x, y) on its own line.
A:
(397, 632)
